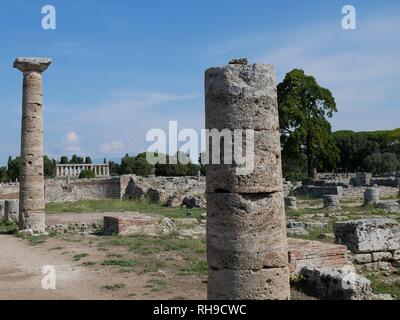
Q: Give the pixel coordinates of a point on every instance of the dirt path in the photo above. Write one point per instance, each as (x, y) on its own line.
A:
(21, 273)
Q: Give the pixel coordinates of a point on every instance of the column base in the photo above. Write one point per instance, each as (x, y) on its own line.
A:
(32, 222)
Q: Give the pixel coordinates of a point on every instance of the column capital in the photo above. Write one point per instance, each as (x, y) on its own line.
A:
(32, 64)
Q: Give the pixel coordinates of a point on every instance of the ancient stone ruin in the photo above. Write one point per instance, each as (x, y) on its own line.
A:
(74, 170)
(374, 243)
(11, 210)
(246, 231)
(31, 192)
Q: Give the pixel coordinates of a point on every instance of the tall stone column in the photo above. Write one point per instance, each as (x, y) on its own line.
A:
(31, 192)
(246, 230)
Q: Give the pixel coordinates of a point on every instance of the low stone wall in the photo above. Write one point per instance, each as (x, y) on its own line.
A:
(358, 192)
(386, 182)
(9, 190)
(87, 189)
(319, 191)
(124, 187)
(135, 187)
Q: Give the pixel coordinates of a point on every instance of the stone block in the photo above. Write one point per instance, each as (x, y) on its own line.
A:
(264, 284)
(368, 235)
(316, 254)
(362, 258)
(246, 231)
(382, 256)
(337, 283)
(129, 225)
(377, 266)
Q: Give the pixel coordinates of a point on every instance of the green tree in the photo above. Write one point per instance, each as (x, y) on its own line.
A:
(64, 160)
(3, 175)
(136, 165)
(303, 108)
(88, 160)
(87, 174)
(178, 169)
(13, 167)
(48, 166)
(76, 160)
(354, 148)
(127, 164)
(381, 162)
(115, 168)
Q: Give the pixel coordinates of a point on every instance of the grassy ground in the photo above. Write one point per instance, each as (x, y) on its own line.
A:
(381, 286)
(8, 228)
(108, 205)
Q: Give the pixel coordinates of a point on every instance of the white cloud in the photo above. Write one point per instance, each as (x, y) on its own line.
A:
(112, 148)
(70, 142)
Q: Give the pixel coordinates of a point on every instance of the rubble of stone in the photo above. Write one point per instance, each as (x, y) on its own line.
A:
(371, 241)
(337, 283)
(349, 185)
(82, 227)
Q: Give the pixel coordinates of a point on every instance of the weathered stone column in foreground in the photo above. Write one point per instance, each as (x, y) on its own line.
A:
(31, 192)
(246, 229)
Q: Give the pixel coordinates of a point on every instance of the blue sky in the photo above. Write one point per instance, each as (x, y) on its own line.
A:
(123, 67)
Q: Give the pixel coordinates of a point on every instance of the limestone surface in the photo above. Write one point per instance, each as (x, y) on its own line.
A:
(246, 231)
(264, 284)
(337, 283)
(368, 235)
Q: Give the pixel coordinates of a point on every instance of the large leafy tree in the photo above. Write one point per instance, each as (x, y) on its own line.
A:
(13, 166)
(48, 166)
(304, 107)
(381, 162)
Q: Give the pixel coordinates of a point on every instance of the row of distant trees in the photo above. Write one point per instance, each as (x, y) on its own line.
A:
(129, 165)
